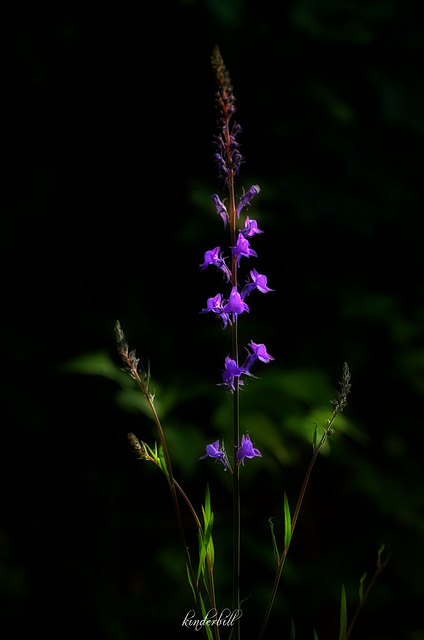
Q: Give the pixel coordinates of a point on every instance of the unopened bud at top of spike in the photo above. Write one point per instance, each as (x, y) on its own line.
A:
(227, 156)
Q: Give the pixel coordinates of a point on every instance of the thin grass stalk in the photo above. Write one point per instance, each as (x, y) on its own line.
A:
(379, 569)
(172, 484)
(281, 562)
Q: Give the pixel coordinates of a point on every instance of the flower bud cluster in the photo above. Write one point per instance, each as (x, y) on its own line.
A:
(227, 156)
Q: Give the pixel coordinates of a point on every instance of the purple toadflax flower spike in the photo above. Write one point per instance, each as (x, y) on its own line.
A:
(247, 450)
(213, 451)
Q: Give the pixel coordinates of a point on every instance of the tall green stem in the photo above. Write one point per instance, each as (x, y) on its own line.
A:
(236, 513)
(236, 415)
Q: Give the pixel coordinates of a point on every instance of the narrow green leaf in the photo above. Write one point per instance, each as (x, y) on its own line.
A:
(287, 523)
(208, 542)
(315, 635)
(202, 558)
(190, 582)
(204, 614)
(361, 586)
(382, 565)
(207, 533)
(379, 552)
(205, 541)
(274, 541)
(162, 462)
(314, 438)
(292, 631)
(153, 453)
(207, 510)
(343, 615)
(211, 553)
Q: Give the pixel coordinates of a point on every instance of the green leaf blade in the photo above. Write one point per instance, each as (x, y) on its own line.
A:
(287, 523)
(361, 586)
(343, 615)
(274, 541)
(162, 462)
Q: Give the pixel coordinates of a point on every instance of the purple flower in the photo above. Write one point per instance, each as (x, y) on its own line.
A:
(247, 450)
(213, 451)
(235, 304)
(242, 248)
(259, 282)
(231, 371)
(215, 305)
(250, 228)
(259, 353)
(213, 257)
(221, 209)
(246, 198)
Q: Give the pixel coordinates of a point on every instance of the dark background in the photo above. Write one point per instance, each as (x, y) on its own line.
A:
(107, 118)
